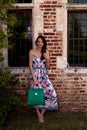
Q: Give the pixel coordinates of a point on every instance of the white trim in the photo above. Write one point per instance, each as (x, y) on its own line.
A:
(68, 69)
(76, 70)
(5, 51)
(62, 21)
(23, 6)
(19, 70)
(76, 6)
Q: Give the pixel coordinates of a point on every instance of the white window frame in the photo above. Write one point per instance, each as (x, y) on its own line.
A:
(62, 60)
(5, 51)
(37, 17)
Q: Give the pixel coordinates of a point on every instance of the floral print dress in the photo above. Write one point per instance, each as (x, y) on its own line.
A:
(41, 75)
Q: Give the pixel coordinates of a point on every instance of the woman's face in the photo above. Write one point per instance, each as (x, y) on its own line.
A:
(40, 43)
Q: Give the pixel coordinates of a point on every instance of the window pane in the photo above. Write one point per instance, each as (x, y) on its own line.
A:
(24, 1)
(77, 1)
(21, 40)
(77, 38)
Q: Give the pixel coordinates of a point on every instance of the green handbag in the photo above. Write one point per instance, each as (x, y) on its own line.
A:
(35, 96)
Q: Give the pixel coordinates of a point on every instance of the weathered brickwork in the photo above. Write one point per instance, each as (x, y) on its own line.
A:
(53, 37)
(71, 86)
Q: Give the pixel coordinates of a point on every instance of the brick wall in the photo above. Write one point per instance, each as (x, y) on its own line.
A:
(71, 85)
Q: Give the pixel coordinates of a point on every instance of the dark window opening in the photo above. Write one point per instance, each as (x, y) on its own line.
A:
(21, 40)
(24, 1)
(77, 38)
(77, 1)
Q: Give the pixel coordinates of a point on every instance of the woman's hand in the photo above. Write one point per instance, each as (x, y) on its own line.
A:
(35, 82)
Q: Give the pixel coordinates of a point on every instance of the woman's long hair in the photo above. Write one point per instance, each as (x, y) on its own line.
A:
(43, 50)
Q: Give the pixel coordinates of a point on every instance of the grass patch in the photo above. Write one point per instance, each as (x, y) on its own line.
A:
(54, 120)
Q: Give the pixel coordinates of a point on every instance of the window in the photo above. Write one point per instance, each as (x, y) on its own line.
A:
(21, 44)
(77, 38)
(77, 1)
(24, 1)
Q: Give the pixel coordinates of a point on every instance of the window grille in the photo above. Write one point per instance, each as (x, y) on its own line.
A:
(21, 40)
(77, 38)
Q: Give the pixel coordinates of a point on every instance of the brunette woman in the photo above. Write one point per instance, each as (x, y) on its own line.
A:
(39, 62)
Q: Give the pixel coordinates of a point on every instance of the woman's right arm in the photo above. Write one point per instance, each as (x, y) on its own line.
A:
(30, 67)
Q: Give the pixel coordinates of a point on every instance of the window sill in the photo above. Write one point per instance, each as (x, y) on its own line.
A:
(19, 70)
(76, 6)
(23, 6)
(63, 64)
(80, 70)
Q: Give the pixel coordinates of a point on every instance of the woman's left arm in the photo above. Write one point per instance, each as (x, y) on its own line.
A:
(47, 57)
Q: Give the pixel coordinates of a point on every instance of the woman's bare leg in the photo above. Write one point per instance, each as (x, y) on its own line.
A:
(38, 112)
(40, 116)
(43, 111)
